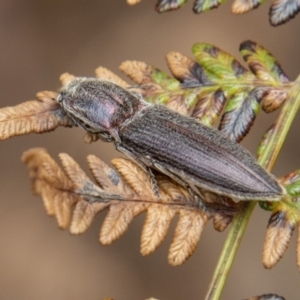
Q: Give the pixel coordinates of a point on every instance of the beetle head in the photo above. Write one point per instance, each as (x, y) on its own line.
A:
(98, 106)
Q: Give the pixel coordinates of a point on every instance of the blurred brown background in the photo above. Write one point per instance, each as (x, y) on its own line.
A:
(40, 39)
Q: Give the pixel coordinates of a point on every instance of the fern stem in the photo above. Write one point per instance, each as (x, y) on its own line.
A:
(240, 221)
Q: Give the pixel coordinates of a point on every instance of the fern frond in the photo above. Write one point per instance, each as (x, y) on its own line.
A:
(281, 11)
(75, 200)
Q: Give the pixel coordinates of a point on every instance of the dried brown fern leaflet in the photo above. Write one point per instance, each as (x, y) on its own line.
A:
(39, 116)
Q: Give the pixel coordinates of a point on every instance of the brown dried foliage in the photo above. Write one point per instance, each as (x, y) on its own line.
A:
(70, 196)
(278, 235)
(273, 99)
(284, 219)
(106, 74)
(39, 116)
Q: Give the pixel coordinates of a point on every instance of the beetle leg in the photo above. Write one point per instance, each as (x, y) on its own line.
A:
(177, 179)
(143, 166)
(153, 182)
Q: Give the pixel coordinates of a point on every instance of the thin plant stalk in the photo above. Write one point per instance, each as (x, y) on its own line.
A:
(240, 221)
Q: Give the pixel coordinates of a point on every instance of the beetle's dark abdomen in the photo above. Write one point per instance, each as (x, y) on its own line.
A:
(197, 154)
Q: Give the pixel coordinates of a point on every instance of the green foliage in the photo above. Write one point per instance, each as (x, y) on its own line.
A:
(204, 85)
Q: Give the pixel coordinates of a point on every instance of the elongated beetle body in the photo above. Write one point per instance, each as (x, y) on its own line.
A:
(161, 139)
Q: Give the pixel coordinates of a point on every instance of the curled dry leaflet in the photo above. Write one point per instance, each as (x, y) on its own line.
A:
(281, 11)
(203, 88)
